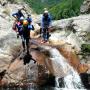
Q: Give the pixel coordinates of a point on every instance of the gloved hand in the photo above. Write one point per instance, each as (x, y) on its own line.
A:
(17, 35)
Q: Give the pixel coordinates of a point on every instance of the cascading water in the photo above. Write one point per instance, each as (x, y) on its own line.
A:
(72, 79)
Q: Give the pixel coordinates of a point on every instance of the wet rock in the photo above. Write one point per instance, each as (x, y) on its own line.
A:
(27, 58)
(85, 80)
(2, 74)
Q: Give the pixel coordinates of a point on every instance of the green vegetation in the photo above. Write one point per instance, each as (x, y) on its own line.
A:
(39, 5)
(85, 48)
(85, 51)
(66, 9)
(58, 8)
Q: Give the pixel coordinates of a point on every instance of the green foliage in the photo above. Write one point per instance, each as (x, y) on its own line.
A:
(39, 5)
(66, 9)
(85, 48)
(58, 8)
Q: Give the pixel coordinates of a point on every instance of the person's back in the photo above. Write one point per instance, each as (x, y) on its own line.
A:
(26, 29)
(26, 32)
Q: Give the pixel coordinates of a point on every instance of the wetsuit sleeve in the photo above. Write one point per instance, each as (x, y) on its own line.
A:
(17, 27)
(14, 14)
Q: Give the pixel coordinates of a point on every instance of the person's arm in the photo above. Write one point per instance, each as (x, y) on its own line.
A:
(33, 28)
(42, 22)
(21, 14)
(30, 27)
(50, 21)
(14, 15)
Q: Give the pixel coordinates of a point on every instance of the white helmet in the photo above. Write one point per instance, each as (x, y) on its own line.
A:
(21, 18)
(45, 11)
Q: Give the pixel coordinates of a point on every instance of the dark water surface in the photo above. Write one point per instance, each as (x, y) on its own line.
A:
(30, 88)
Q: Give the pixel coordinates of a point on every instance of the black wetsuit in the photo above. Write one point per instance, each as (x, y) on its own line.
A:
(26, 36)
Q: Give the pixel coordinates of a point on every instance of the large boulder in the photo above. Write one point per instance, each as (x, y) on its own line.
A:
(9, 45)
(74, 31)
(85, 7)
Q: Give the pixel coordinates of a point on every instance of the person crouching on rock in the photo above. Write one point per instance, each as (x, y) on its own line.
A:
(45, 25)
(26, 35)
(17, 17)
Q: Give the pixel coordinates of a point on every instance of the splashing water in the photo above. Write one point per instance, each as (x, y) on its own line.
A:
(72, 79)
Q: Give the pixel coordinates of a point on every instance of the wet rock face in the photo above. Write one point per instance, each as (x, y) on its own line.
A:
(85, 8)
(9, 45)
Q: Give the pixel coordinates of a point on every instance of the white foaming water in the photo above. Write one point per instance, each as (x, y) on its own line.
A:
(72, 79)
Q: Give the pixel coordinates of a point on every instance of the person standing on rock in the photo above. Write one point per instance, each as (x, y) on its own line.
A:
(45, 26)
(26, 35)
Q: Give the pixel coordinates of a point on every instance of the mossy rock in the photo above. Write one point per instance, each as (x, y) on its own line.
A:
(85, 48)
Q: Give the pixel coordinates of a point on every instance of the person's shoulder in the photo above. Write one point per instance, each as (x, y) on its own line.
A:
(29, 25)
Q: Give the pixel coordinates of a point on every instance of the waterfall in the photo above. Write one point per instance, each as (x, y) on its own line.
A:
(72, 79)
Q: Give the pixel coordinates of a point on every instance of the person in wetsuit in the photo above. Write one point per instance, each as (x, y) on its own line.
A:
(45, 25)
(26, 35)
